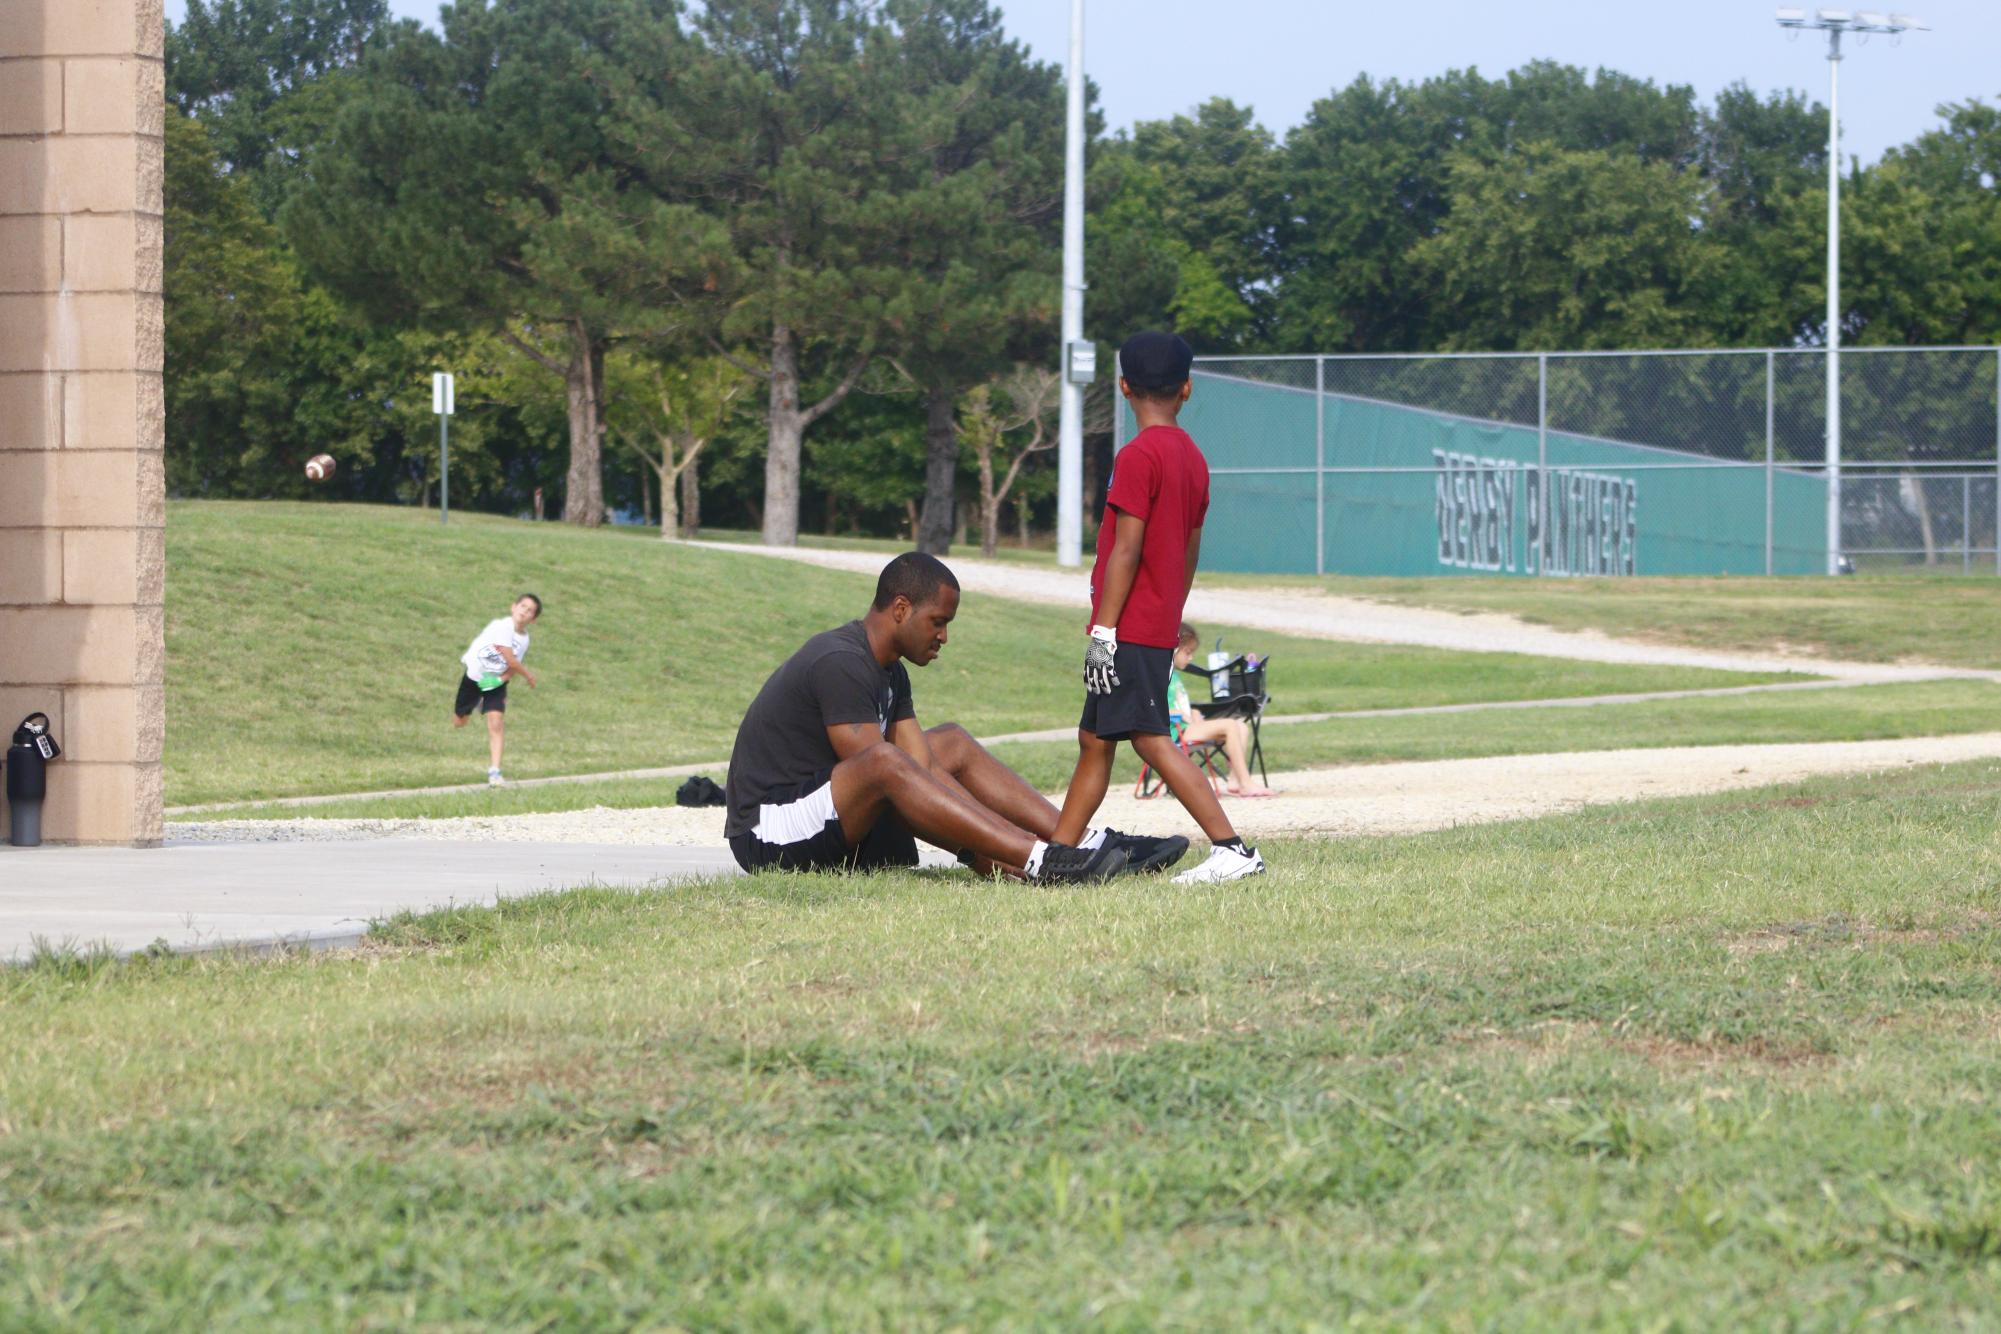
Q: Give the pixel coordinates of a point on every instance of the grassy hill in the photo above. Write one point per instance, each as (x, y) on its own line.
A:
(314, 648)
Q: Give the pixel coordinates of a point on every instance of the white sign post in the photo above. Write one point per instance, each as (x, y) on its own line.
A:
(441, 403)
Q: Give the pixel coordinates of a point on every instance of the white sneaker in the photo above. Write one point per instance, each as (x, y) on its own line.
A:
(493, 778)
(1224, 864)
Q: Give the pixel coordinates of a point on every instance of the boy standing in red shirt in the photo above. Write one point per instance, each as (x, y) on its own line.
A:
(1148, 544)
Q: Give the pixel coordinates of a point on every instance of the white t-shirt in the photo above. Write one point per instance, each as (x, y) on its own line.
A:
(482, 657)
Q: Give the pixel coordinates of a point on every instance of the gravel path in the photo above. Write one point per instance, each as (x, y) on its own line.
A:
(1351, 801)
(1325, 616)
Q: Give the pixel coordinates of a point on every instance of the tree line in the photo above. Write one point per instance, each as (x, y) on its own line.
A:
(773, 262)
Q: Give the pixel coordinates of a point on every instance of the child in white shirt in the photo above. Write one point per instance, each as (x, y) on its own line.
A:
(491, 660)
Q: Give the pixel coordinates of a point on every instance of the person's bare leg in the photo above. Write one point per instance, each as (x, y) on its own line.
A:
(1187, 783)
(883, 778)
(1087, 786)
(496, 723)
(1235, 737)
(991, 783)
(1218, 729)
(1237, 748)
(458, 720)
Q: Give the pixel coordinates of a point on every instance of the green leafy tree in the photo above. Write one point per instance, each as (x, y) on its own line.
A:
(477, 181)
(695, 401)
(979, 223)
(1004, 426)
(864, 463)
(1376, 169)
(264, 371)
(1182, 229)
(260, 75)
(797, 156)
(230, 301)
(1216, 191)
(1761, 158)
(1559, 248)
(1922, 234)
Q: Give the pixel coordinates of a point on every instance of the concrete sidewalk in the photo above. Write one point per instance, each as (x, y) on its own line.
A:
(196, 896)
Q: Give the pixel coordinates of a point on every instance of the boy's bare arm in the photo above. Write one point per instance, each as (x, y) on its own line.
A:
(1194, 559)
(514, 667)
(1121, 568)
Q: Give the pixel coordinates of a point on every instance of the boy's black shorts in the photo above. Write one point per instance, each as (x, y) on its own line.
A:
(803, 833)
(1137, 705)
(488, 701)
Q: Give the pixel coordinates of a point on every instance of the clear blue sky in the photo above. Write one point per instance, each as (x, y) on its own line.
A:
(1153, 58)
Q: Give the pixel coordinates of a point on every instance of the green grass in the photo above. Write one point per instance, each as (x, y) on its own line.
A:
(1851, 713)
(314, 648)
(1935, 618)
(1731, 1062)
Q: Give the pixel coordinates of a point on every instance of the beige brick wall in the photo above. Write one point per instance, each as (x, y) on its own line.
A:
(82, 482)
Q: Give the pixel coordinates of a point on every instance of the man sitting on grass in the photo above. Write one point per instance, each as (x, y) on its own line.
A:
(832, 771)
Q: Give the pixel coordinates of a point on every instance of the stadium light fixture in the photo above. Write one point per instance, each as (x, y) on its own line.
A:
(1070, 414)
(1836, 23)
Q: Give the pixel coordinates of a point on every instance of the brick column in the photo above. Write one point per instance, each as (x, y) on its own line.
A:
(82, 486)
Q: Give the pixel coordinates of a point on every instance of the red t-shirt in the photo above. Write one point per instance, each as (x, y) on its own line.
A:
(1160, 477)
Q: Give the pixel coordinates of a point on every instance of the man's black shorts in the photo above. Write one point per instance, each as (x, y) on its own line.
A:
(471, 696)
(1137, 705)
(799, 830)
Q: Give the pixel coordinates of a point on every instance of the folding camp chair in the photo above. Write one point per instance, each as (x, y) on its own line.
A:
(1236, 690)
(1208, 757)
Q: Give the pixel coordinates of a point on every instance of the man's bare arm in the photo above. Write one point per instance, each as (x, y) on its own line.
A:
(1194, 559)
(908, 736)
(851, 739)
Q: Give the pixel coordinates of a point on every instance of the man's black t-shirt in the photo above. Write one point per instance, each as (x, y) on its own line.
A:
(782, 742)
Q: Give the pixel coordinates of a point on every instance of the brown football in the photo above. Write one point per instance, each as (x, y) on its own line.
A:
(319, 467)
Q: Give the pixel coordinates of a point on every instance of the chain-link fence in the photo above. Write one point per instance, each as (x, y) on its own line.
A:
(1600, 463)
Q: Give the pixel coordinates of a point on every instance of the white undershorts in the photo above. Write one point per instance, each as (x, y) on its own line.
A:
(797, 820)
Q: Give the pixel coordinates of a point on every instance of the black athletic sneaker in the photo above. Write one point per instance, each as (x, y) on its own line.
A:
(1143, 854)
(1063, 864)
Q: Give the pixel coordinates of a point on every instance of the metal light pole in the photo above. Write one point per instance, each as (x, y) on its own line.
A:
(1835, 22)
(1070, 421)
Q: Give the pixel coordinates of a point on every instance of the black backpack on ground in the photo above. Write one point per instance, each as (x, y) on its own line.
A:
(699, 791)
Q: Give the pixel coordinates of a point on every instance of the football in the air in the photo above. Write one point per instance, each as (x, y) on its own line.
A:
(319, 467)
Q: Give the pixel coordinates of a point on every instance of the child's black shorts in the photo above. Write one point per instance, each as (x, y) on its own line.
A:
(488, 701)
(1137, 705)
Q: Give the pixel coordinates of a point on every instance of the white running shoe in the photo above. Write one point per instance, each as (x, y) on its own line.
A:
(493, 778)
(1224, 864)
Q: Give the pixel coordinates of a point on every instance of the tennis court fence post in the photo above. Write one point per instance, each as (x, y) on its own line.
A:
(1769, 401)
(1320, 465)
(1541, 440)
(1997, 460)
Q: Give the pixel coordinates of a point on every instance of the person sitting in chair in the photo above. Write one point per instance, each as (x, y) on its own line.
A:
(1233, 734)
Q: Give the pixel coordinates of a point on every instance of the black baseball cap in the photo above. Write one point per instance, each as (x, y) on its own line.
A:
(1154, 362)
